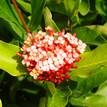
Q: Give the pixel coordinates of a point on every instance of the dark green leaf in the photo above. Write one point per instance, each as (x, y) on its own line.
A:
(42, 102)
(101, 7)
(24, 5)
(8, 14)
(56, 6)
(69, 6)
(36, 16)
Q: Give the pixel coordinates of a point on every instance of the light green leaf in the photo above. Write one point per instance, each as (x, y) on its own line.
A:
(36, 15)
(99, 99)
(90, 62)
(51, 87)
(102, 29)
(93, 81)
(48, 19)
(9, 60)
(60, 98)
(24, 5)
(89, 36)
(84, 7)
(0, 103)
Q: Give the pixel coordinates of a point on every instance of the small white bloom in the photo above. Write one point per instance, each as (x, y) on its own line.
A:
(31, 73)
(64, 55)
(40, 64)
(56, 63)
(45, 62)
(52, 67)
(23, 62)
(43, 53)
(50, 42)
(33, 47)
(43, 68)
(35, 76)
(27, 63)
(69, 48)
(47, 68)
(50, 61)
(70, 60)
(51, 38)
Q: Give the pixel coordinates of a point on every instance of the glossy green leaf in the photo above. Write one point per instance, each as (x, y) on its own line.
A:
(84, 7)
(93, 81)
(51, 87)
(8, 13)
(90, 61)
(24, 5)
(77, 101)
(0, 103)
(99, 99)
(48, 19)
(9, 60)
(36, 15)
(69, 6)
(60, 98)
(89, 36)
(101, 7)
(102, 29)
(56, 6)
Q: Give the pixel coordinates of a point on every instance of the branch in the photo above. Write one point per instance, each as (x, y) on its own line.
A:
(21, 16)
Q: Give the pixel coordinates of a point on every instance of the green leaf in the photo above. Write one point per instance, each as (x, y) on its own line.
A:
(93, 81)
(60, 98)
(78, 101)
(36, 15)
(101, 7)
(101, 29)
(9, 60)
(51, 87)
(0, 103)
(8, 13)
(48, 19)
(69, 5)
(89, 36)
(90, 62)
(84, 7)
(99, 99)
(56, 6)
(24, 5)
(42, 102)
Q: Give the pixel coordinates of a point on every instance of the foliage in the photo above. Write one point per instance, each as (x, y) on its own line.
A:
(88, 83)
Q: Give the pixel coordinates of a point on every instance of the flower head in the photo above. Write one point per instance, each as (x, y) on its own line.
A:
(50, 55)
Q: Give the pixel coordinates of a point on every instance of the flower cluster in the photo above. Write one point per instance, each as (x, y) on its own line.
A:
(50, 55)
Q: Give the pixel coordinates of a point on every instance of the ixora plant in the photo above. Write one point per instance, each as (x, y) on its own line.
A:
(50, 55)
(43, 66)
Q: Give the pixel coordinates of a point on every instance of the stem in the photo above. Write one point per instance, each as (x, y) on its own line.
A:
(21, 16)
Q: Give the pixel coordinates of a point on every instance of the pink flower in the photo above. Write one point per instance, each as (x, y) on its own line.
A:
(50, 55)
